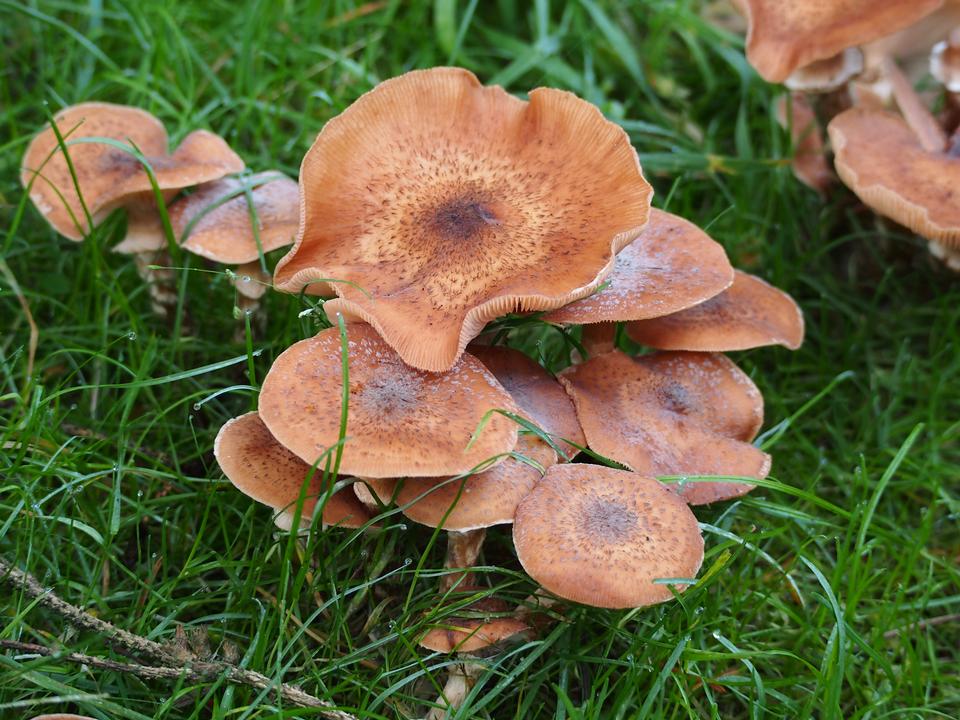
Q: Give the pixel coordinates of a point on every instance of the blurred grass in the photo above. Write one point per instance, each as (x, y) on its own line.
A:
(110, 495)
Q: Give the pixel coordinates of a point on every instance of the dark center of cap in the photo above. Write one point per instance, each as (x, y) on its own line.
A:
(607, 520)
(462, 218)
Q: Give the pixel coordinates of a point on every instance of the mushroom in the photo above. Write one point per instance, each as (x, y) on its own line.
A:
(261, 468)
(445, 204)
(605, 537)
(672, 265)
(400, 421)
(809, 162)
(466, 507)
(881, 159)
(108, 177)
(540, 397)
(786, 36)
(945, 67)
(672, 414)
(750, 313)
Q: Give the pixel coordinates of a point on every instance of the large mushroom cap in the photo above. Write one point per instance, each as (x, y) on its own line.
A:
(264, 470)
(750, 313)
(784, 36)
(541, 398)
(107, 176)
(222, 230)
(401, 421)
(671, 414)
(880, 158)
(603, 537)
(486, 622)
(486, 499)
(672, 265)
(451, 204)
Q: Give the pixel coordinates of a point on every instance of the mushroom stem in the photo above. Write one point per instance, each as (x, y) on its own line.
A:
(461, 678)
(599, 338)
(161, 281)
(919, 118)
(953, 146)
(462, 551)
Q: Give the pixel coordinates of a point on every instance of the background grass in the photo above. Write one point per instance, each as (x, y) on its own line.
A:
(110, 495)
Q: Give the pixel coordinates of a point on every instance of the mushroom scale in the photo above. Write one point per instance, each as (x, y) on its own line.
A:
(446, 204)
(264, 470)
(401, 421)
(672, 414)
(602, 537)
(107, 176)
(671, 266)
(881, 160)
(541, 398)
(784, 36)
(750, 313)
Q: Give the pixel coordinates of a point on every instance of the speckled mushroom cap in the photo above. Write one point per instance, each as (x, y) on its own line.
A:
(488, 498)
(224, 233)
(784, 36)
(469, 634)
(809, 162)
(451, 203)
(541, 398)
(108, 177)
(880, 159)
(750, 313)
(671, 414)
(401, 421)
(672, 265)
(602, 537)
(264, 470)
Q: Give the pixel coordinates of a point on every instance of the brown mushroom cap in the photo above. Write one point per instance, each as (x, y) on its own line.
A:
(784, 36)
(750, 313)
(672, 265)
(541, 398)
(469, 634)
(261, 468)
(109, 177)
(671, 414)
(451, 204)
(225, 233)
(809, 160)
(488, 498)
(602, 537)
(401, 421)
(880, 159)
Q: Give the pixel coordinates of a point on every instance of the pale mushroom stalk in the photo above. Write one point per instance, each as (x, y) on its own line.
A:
(914, 111)
(463, 548)
(461, 678)
(146, 243)
(598, 338)
(251, 283)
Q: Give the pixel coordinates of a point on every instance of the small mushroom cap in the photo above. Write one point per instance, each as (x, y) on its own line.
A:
(448, 204)
(488, 498)
(469, 634)
(827, 74)
(602, 537)
(945, 65)
(784, 36)
(541, 398)
(672, 265)
(750, 313)
(109, 177)
(809, 161)
(261, 468)
(225, 233)
(880, 159)
(671, 414)
(401, 421)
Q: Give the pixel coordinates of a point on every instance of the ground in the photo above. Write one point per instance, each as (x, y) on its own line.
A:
(832, 591)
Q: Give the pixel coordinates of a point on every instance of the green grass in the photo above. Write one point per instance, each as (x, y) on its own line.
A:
(109, 493)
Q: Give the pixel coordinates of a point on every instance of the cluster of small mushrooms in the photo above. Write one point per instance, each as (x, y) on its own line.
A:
(118, 157)
(430, 207)
(854, 65)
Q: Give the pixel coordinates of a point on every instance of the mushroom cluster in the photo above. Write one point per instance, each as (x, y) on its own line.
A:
(434, 205)
(98, 157)
(854, 63)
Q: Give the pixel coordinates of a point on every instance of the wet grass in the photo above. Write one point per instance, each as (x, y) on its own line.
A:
(830, 592)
